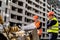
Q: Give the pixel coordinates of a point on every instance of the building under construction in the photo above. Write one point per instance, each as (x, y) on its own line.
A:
(21, 12)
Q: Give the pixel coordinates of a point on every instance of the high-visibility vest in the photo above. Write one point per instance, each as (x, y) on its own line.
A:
(37, 24)
(54, 28)
(39, 32)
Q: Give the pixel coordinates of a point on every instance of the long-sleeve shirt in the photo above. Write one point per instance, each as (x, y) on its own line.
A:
(51, 23)
(40, 30)
(29, 27)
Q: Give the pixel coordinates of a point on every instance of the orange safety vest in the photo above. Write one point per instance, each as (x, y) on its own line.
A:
(39, 32)
(37, 24)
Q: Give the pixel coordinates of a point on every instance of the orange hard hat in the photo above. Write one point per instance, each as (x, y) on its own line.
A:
(35, 17)
(50, 13)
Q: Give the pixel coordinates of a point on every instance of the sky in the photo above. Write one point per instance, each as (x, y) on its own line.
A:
(59, 0)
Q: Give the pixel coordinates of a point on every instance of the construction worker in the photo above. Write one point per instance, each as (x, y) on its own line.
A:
(52, 26)
(38, 25)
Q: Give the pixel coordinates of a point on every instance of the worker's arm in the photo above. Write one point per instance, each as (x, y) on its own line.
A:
(51, 23)
(40, 25)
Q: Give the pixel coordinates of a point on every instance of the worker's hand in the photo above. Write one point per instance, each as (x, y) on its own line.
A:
(49, 27)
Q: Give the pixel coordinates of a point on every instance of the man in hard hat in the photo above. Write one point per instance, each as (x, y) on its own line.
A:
(38, 25)
(52, 26)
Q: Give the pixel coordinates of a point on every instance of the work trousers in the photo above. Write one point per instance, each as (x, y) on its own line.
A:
(53, 36)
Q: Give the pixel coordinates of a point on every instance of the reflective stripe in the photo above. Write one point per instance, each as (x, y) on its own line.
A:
(48, 30)
(54, 31)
